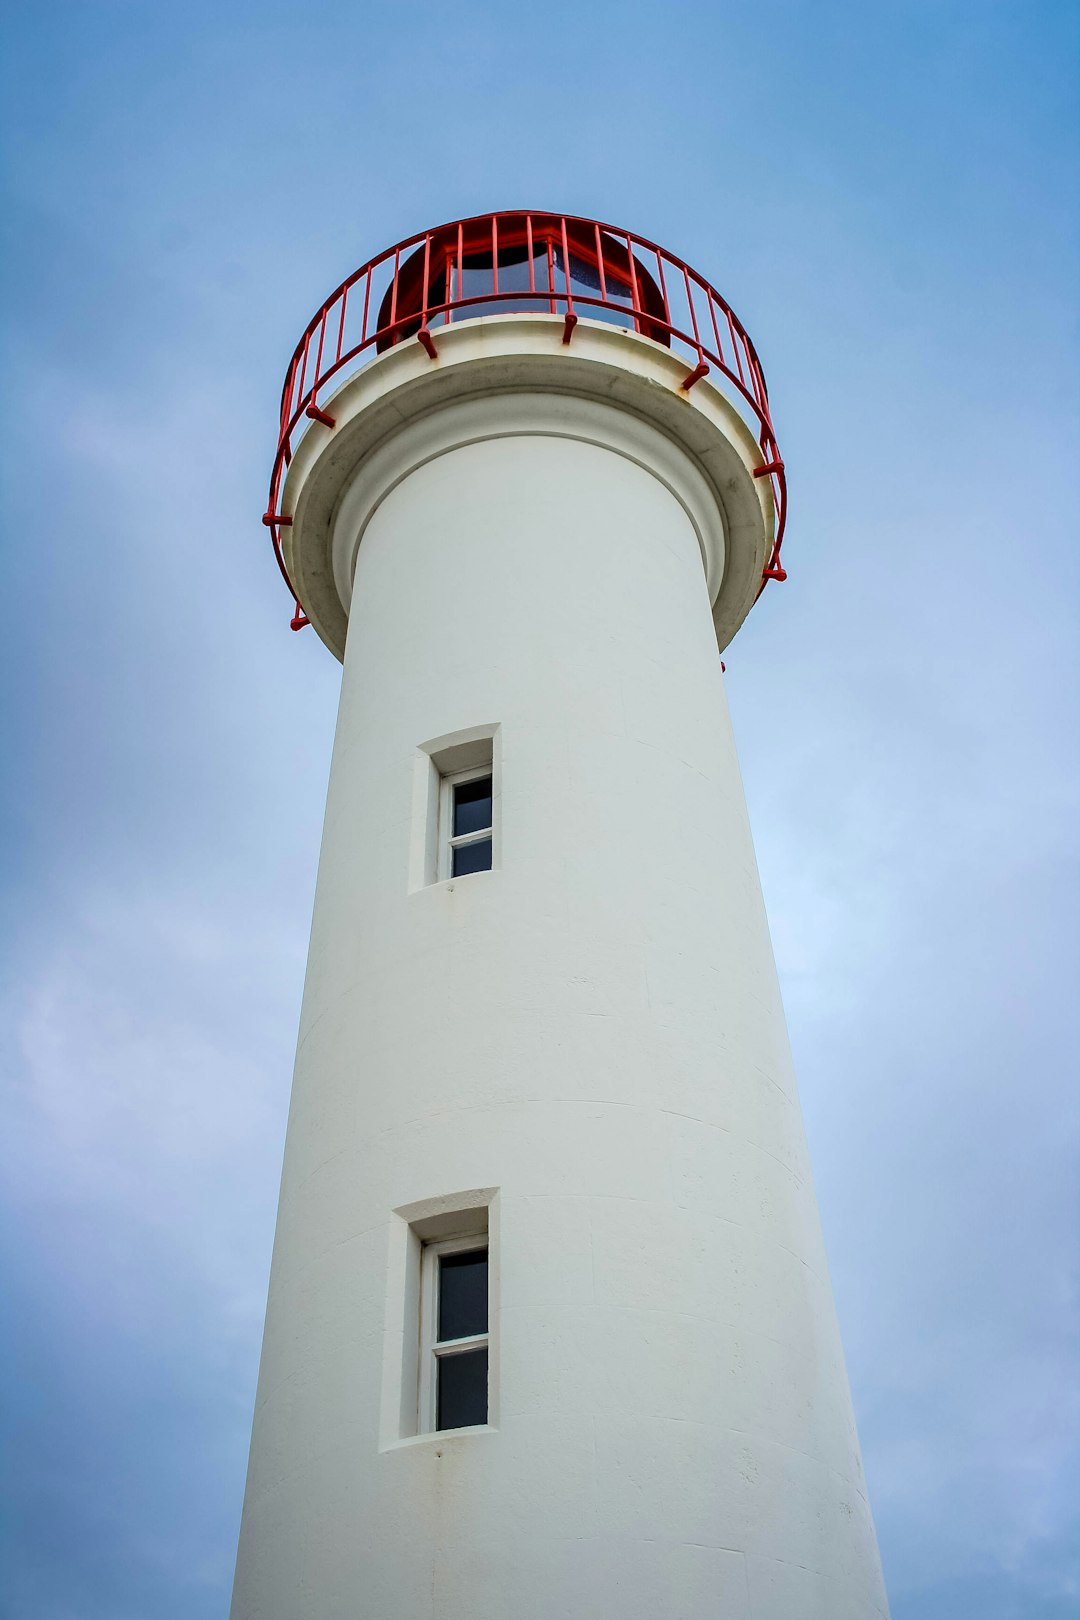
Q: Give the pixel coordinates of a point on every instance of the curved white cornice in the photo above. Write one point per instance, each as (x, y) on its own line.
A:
(502, 376)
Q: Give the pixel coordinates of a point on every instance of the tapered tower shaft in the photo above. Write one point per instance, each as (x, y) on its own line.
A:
(550, 1330)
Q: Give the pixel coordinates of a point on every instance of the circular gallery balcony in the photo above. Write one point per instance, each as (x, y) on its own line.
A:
(552, 265)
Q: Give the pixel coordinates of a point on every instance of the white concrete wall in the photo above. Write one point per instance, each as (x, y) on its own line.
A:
(594, 1029)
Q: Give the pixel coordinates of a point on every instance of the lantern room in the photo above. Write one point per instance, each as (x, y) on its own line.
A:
(570, 281)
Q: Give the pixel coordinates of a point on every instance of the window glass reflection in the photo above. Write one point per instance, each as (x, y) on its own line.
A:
(463, 1294)
(462, 1393)
(472, 806)
(472, 858)
(585, 282)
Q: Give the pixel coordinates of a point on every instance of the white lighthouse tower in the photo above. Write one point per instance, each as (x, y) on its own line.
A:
(550, 1333)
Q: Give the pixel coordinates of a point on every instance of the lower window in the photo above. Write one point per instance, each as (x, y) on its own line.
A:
(454, 1334)
(467, 817)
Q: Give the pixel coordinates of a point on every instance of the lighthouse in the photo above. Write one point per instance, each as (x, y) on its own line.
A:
(550, 1333)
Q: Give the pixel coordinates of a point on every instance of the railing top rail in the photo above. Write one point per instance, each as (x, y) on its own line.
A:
(573, 264)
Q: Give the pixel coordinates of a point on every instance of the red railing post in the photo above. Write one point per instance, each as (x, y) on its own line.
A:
(367, 301)
(600, 265)
(460, 266)
(341, 323)
(571, 319)
(318, 357)
(711, 301)
(663, 288)
(635, 297)
(393, 290)
(303, 366)
(735, 346)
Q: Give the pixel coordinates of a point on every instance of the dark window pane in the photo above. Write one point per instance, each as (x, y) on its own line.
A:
(472, 857)
(585, 280)
(477, 279)
(463, 1294)
(463, 1382)
(472, 805)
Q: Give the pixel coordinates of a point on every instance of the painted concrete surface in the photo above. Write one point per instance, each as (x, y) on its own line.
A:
(590, 1040)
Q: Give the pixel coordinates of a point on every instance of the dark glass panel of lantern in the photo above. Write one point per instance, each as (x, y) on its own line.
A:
(462, 1398)
(585, 283)
(472, 806)
(472, 858)
(463, 1294)
(475, 280)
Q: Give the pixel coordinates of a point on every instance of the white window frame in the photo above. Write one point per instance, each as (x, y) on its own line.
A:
(448, 842)
(432, 1348)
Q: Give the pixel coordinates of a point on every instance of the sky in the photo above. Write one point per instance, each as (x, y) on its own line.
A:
(888, 195)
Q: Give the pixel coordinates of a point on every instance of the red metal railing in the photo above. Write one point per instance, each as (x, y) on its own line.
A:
(552, 264)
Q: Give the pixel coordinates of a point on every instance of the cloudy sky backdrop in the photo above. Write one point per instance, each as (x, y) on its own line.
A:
(888, 195)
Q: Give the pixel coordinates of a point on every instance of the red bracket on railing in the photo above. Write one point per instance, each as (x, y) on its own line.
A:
(299, 618)
(318, 415)
(775, 569)
(270, 518)
(769, 467)
(568, 326)
(426, 341)
(695, 376)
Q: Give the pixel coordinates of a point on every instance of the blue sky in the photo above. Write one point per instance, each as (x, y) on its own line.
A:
(888, 194)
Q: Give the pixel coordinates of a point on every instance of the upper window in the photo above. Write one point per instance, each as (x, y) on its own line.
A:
(467, 822)
(454, 1335)
(457, 792)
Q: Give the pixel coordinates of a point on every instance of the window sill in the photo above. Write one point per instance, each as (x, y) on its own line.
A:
(449, 882)
(438, 1436)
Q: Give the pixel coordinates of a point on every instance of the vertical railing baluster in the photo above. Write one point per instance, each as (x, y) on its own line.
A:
(318, 357)
(663, 287)
(635, 296)
(460, 263)
(693, 312)
(341, 322)
(303, 368)
(759, 389)
(571, 314)
(600, 265)
(427, 272)
(393, 289)
(710, 299)
(566, 267)
(367, 302)
(735, 348)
